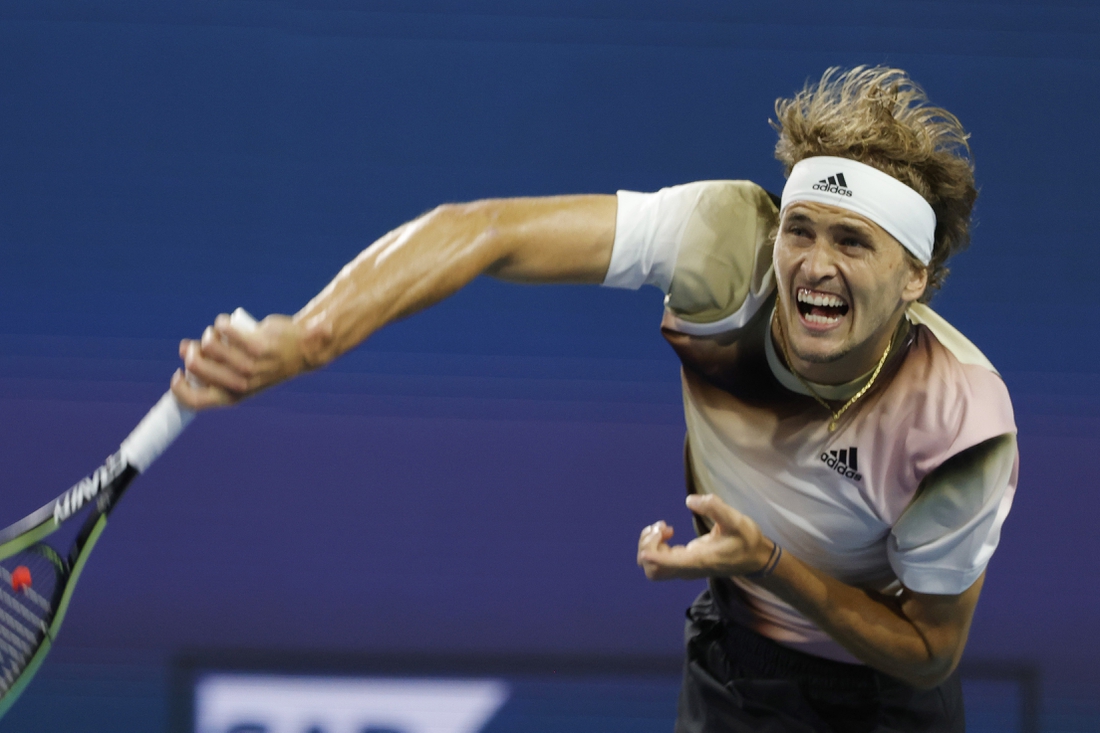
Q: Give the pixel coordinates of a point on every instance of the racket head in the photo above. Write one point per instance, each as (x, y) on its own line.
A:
(45, 549)
(27, 531)
(41, 559)
(29, 616)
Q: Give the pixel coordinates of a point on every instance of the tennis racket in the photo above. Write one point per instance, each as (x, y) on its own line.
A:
(37, 577)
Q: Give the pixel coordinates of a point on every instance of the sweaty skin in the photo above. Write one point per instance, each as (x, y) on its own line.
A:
(823, 250)
(555, 240)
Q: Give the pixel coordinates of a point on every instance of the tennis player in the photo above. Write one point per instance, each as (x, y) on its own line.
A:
(850, 456)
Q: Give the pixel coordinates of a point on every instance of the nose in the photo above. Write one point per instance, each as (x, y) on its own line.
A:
(819, 263)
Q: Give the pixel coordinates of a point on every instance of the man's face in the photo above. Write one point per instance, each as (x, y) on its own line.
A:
(844, 283)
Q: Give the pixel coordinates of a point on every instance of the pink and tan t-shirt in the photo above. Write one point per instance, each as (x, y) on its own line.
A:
(912, 487)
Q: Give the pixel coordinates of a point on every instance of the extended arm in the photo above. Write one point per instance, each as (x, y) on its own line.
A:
(915, 637)
(554, 239)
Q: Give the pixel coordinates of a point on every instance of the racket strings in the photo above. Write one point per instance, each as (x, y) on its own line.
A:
(25, 610)
(29, 592)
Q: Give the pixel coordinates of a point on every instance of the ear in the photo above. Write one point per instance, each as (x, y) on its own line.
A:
(916, 283)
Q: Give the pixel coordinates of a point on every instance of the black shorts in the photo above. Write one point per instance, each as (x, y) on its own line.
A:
(737, 681)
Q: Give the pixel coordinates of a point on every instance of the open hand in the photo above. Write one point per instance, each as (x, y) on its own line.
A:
(733, 546)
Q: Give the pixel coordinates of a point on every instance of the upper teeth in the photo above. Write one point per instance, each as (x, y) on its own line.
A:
(806, 296)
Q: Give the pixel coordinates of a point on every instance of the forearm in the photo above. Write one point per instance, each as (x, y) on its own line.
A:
(876, 629)
(552, 239)
(557, 239)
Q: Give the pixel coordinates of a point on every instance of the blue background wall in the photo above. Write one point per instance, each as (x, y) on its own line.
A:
(474, 479)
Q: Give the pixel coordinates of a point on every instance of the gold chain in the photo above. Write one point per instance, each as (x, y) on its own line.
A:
(813, 393)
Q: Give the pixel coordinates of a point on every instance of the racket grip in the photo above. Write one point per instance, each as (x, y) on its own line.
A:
(155, 432)
(163, 424)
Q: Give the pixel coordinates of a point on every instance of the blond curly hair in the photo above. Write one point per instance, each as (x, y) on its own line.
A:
(881, 117)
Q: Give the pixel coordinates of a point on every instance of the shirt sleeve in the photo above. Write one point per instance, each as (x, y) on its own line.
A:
(944, 539)
(706, 245)
(648, 231)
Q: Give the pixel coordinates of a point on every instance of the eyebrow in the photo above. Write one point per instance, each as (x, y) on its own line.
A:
(855, 229)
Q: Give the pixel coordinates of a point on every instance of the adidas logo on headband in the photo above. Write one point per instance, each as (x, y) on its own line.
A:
(834, 184)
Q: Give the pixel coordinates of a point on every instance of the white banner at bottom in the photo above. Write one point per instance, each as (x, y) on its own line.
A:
(255, 703)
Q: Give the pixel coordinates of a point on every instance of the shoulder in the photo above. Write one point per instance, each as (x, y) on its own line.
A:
(953, 397)
(723, 266)
(652, 230)
(698, 197)
(956, 454)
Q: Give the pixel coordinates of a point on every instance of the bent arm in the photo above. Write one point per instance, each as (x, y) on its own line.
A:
(941, 543)
(552, 239)
(916, 637)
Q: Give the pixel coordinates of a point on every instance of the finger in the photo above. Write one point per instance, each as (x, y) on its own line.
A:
(195, 396)
(210, 372)
(714, 509)
(217, 349)
(655, 534)
(229, 334)
(667, 562)
(194, 358)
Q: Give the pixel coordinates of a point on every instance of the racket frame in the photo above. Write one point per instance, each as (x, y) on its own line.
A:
(152, 436)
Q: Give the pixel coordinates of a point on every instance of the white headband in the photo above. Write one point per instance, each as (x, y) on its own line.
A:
(858, 187)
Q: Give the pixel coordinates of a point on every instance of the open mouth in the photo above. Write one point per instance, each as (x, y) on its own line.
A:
(820, 308)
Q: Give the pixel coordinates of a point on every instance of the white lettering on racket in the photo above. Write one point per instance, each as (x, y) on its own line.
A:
(87, 489)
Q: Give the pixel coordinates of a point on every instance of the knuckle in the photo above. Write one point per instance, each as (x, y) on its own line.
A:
(255, 347)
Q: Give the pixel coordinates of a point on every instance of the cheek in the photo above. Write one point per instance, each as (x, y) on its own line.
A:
(875, 297)
(869, 291)
(781, 263)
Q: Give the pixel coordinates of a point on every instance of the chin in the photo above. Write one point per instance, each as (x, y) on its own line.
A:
(819, 354)
(819, 358)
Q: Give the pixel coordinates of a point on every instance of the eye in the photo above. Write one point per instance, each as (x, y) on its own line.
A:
(798, 231)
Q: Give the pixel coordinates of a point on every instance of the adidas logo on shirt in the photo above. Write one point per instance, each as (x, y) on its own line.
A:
(844, 462)
(834, 184)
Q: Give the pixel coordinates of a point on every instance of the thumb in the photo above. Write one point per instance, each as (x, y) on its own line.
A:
(714, 509)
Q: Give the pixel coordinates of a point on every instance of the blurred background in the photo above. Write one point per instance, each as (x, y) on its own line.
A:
(472, 482)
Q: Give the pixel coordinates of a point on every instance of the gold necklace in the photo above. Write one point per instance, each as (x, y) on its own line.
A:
(813, 393)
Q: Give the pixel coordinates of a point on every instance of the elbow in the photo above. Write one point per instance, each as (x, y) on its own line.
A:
(481, 230)
(940, 649)
(931, 677)
(933, 670)
(479, 220)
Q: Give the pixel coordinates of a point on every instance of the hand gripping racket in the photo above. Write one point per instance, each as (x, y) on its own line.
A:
(37, 578)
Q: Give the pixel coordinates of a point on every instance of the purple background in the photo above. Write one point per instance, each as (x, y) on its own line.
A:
(474, 479)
